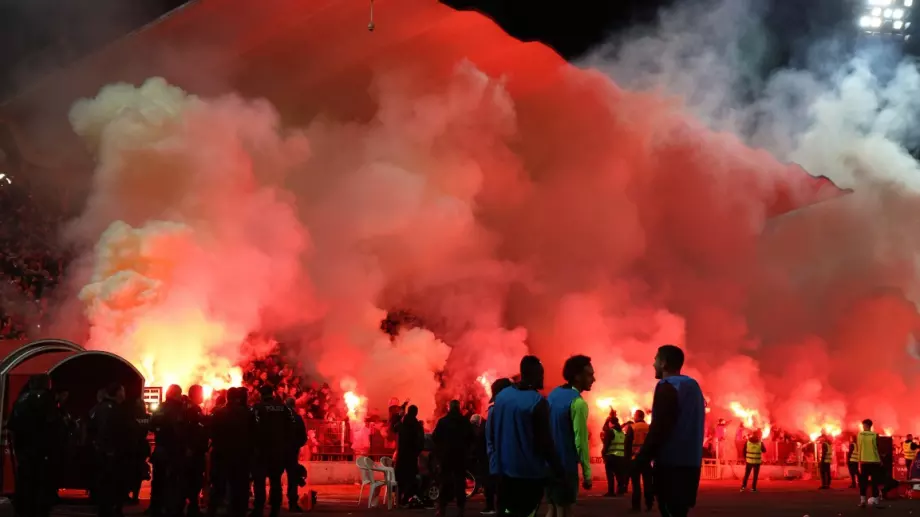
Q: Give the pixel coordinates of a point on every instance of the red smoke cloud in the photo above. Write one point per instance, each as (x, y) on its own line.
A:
(512, 202)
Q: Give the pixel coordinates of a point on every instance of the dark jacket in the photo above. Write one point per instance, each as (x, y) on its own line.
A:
(167, 424)
(274, 428)
(298, 434)
(35, 423)
(233, 431)
(453, 440)
(112, 429)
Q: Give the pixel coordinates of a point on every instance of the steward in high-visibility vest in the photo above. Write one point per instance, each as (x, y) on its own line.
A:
(636, 437)
(853, 462)
(753, 453)
(825, 457)
(617, 445)
(910, 449)
(753, 456)
(870, 464)
(867, 447)
(640, 476)
(615, 459)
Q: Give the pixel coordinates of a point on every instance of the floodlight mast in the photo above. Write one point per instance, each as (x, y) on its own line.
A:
(370, 25)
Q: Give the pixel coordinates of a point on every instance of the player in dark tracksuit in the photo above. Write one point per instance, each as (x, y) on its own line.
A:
(675, 435)
(522, 442)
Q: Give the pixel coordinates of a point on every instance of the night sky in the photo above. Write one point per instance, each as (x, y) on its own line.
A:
(38, 35)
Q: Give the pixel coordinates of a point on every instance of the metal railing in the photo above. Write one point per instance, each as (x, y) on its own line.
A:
(333, 443)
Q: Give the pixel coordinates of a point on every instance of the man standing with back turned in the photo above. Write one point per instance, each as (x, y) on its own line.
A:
(870, 464)
(523, 442)
(568, 413)
(675, 436)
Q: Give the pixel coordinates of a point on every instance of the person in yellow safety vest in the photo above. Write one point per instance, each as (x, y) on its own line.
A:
(754, 450)
(635, 438)
(853, 462)
(615, 459)
(825, 457)
(870, 464)
(909, 449)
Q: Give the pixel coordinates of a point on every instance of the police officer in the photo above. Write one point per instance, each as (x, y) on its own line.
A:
(196, 440)
(168, 454)
(296, 474)
(110, 432)
(138, 469)
(232, 444)
(34, 426)
(273, 434)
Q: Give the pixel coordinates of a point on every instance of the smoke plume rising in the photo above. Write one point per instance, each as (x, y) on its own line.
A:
(524, 204)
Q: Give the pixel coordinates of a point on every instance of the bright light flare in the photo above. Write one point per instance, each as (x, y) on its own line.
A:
(888, 431)
(5, 180)
(749, 417)
(605, 403)
(355, 404)
(815, 427)
(625, 403)
(485, 380)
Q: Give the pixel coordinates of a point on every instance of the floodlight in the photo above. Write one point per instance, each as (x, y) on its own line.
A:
(897, 25)
(877, 11)
(876, 23)
(908, 3)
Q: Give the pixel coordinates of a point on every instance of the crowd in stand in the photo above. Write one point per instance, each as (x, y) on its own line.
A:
(314, 401)
(31, 262)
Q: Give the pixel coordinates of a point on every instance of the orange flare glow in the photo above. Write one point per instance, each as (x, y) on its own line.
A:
(355, 404)
(485, 381)
(815, 427)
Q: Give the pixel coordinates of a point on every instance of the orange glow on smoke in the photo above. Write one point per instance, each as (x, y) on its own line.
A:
(625, 403)
(185, 362)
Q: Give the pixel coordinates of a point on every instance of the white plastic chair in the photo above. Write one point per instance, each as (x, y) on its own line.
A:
(367, 469)
(367, 478)
(386, 464)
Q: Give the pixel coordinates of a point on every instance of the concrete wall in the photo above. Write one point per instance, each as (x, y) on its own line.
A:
(780, 472)
(346, 473)
(333, 473)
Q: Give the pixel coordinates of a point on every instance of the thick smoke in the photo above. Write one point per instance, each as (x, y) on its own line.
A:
(831, 301)
(540, 209)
